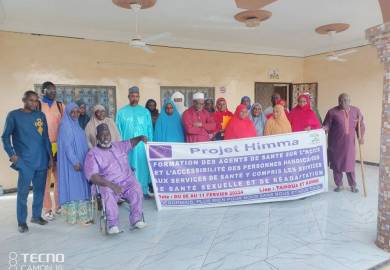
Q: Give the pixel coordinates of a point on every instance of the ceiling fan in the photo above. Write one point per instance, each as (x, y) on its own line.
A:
(333, 56)
(137, 40)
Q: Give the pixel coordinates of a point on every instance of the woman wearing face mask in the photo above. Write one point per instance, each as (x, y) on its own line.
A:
(278, 123)
(169, 127)
(240, 126)
(302, 117)
(73, 187)
(99, 117)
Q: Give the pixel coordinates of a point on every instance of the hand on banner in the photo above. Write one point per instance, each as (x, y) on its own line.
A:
(308, 128)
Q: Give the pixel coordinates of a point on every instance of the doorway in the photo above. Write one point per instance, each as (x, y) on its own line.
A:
(264, 91)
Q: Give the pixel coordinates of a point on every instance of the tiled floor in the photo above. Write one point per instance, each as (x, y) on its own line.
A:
(329, 231)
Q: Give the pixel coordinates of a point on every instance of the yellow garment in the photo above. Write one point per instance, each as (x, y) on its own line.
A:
(279, 125)
(225, 121)
(54, 149)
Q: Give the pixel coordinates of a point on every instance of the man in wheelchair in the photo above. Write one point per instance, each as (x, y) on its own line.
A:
(106, 165)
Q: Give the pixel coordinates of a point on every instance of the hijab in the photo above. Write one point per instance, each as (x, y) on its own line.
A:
(278, 125)
(246, 98)
(258, 121)
(169, 128)
(219, 115)
(240, 128)
(90, 129)
(154, 113)
(71, 135)
(303, 117)
(83, 119)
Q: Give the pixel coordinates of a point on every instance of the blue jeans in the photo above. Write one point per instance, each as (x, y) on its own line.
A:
(38, 178)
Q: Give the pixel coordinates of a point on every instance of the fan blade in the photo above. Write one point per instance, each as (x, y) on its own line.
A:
(156, 37)
(346, 53)
(147, 49)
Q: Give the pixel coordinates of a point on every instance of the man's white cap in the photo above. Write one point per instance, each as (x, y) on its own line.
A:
(198, 96)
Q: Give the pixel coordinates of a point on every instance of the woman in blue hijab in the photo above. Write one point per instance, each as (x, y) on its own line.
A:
(258, 118)
(245, 100)
(169, 127)
(73, 187)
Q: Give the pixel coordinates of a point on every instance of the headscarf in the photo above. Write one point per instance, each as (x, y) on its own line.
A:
(83, 119)
(281, 102)
(179, 105)
(169, 128)
(258, 121)
(90, 130)
(219, 115)
(303, 117)
(210, 100)
(240, 128)
(313, 106)
(278, 125)
(248, 98)
(154, 114)
(72, 149)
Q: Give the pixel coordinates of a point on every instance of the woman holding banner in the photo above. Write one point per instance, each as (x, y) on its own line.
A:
(240, 126)
(278, 123)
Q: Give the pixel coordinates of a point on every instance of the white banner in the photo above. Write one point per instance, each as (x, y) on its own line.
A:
(255, 170)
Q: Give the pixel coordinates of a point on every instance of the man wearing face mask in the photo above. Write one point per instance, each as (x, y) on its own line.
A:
(106, 165)
(199, 125)
(134, 120)
(341, 123)
(53, 111)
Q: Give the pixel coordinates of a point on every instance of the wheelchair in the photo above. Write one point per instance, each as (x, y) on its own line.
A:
(99, 211)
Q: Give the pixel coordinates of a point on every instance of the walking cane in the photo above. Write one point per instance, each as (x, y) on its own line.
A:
(361, 159)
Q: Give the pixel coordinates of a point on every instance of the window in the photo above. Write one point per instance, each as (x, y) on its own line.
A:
(167, 92)
(90, 94)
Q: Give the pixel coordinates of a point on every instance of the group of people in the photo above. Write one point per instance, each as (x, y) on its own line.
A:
(46, 141)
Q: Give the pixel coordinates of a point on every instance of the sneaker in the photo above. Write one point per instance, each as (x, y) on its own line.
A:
(22, 228)
(58, 211)
(140, 225)
(151, 195)
(354, 189)
(121, 201)
(113, 230)
(49, 216)
(39, 221)
(338, 189)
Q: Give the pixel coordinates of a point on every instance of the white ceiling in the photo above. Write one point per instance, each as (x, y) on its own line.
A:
(200, 24)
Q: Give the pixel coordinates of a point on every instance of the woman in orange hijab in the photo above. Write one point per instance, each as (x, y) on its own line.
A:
(278, 123)
(240, 126)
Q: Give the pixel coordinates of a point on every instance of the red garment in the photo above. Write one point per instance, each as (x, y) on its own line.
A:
(198, 134)
(240, 128)
(218, 115)
(279, 102)
(303, 117)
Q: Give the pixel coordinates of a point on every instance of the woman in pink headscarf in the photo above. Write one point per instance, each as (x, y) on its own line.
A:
(302, 117)
(240, 126)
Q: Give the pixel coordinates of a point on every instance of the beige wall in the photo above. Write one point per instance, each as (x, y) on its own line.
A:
(27, 60)
(362, 78)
